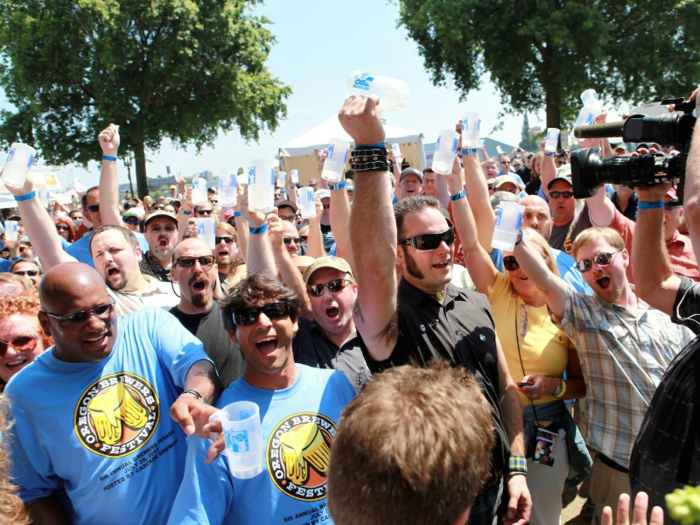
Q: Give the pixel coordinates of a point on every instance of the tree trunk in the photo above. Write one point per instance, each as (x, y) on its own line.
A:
(141, 178)
(553, 99)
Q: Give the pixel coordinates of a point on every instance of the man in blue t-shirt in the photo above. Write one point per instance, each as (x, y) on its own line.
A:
(300, 409)
(92, 441)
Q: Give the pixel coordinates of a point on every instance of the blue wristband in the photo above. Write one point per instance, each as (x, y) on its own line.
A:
(187, 212)
(597, 150)
(469, 151)
(458, 196)
(650, 205)
(25, 197)
(259, 230)
(107, 157)
(237, 214)
(520, 238)
(283, 192)
(339, 186)
(375, 145)
(549, 154)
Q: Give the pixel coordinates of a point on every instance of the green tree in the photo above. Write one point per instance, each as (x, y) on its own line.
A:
(526, 141)
(544, 53)
(179, 69)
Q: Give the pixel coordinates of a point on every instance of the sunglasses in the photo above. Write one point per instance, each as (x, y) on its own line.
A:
(213, 201)
(430, 241)
(132, 221)
(557, 194)
(62, 228)
(510, 263)
(304, 238)
(505, 162)
(288, 240)
(23, 343)
(204, 212)
(30, 273)
(672, 205)
(326, 206)
(226, 239)
(272, 311)
(602, 259)
(93, 208)
(103, 312)
(204, 260)
(335, 285)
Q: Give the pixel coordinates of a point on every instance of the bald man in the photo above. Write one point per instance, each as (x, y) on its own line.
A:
(88, 413)
(195, 270)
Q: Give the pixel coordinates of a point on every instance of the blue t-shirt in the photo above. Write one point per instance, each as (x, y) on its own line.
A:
(80, 249)
(285, 491)
(102, 431)
(565, 263)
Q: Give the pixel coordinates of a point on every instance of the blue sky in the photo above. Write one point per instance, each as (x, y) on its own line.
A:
(319, 43)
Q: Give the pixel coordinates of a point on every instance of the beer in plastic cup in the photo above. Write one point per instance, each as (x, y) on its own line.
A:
(392, 93)
(228, 190)
(199, 191)
(261, 186)
(19, 161)
(294, 176)
(306, 202)
(336, 157)
(242, 432)
(552, 140)
(445, 151)
(11, 230)
(509, 219)
(281, 179)
(206, 229)
(471, 126)
(396, 149)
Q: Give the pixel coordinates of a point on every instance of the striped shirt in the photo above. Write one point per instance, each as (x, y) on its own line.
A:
(623, 356)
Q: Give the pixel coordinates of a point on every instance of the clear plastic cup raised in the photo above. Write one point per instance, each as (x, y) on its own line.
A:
(281, 179)
(19, 161)
(445, 151)
(294, 176)
(11, 231)
(552, 140)
(261, 186)
(206, 229)
(509, 219)
(336, 157)
(244, 451)
(471, 126)
(199, 191)
(306, 202)
(396, 149)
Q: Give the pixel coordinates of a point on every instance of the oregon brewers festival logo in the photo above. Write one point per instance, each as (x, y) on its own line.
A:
(298, 453)
(117, 415)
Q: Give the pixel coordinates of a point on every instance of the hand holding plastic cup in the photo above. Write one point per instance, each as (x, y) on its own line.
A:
(294, 176)
(206, 227)
(396, 149)
(590, 98)
(261, 186)
(306, 202)
(445, 151)
(509, 220)
(199, 191)
(240, 423)
(552, 140)
(19, 161)
(471, 125)
(336, 157)
(11, 231)
(281, 179)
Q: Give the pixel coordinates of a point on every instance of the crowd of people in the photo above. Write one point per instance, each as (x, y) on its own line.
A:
(405, 371)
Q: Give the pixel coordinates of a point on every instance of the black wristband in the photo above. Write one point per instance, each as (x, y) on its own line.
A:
(197, 395)
(369, 159)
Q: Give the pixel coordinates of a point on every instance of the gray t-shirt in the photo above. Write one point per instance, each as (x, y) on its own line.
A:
(563, 236)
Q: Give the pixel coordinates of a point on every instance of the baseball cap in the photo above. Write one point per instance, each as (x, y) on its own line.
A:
(503, 179)
(330, 261)
(323, 194)
(563, 173)
(349, 186)
(173, 187)
(620, 147)
(411, 171)
(288, 203)
(159, 213)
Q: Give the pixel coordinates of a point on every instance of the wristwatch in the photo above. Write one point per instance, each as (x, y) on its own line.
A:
(559, 390)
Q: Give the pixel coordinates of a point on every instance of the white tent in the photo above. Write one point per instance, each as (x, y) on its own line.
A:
(300, 153)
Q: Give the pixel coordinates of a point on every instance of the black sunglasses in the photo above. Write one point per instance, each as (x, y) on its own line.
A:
(226, 239)
(511, 263)
(335, 285)
(103, 312)
(557, 194)
(288, 240)
(602, 259)
(430, 241)
(326, 206)
(304, 238)
(93, 208)
(23, 343)
(131, 221)
(62, 228)
(273, 311)
(186, 262)
(30, 273)
(205, 212)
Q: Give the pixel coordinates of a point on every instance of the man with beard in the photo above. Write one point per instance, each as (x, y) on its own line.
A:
(194, 269)
(161, 232)
(226, 253)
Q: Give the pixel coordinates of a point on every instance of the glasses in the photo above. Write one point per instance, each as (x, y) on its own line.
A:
(214, 201)
(559, 163)
(62, 228)
(505, 162)
(272, 311)
(511, 263)
(30, 273)
(205, 212)
(334, 286)
(103, 312)
(672, 205)
(304, 238)
(557, 194)
(288, 240)
(326, 206)
(93, 208)
(23, 343)
(204, 260)
(226, 239)
(132, 221)
(430, 241)
(602, 259)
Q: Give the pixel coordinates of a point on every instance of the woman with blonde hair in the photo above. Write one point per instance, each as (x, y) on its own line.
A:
(535, 174)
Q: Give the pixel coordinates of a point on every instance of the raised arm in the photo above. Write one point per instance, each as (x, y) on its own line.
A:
(654, 279)
(259, 257)
(109, 185)
(549, 170)
(314, 244)
(340, 224)
(396, 163)
(184, 214)
(373, 235)
(691, 199)
(478, 195)
(601, 210)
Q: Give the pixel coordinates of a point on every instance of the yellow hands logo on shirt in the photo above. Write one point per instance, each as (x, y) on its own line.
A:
(298, 455)
(117, 415)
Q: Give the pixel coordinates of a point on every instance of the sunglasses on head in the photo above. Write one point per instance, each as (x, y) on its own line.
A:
(186, 262)
(62, 228)
(103, 312)
(510, 263)
(272, 311)
(93, 208)
(557, 194)
(30, 273)
(227, 239)
(23, 343)
(430, 241)
(335, 285)
(602, 259)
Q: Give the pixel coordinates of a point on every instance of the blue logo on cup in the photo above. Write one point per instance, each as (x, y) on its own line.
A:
(11, 155)
(200, 228)
(437, 144)
(251, 175)
(238, 441)
(499, 214)
(454, 145)
(329, 151)
(364, 81)
(31, 161)
(519, 222)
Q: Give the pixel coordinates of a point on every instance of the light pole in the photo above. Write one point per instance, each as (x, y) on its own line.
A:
(127, 162)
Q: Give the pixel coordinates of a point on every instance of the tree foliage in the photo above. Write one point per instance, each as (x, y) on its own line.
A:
(544, 53)
(181, 69)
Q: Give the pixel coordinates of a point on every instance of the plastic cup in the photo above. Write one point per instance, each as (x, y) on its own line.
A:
(199, 191)
(509, 219)
(445, 151)
(590, 98)
(281, 179)
(552, 140)
(228, 190)
(261, 186)
(336, 157)
(306, 202)
(206, 227)
(396, 149)
(244, 451)
(19, 161)
(11, 231)
(295, 176)
(471, 125)
(586, 117)
(499, 150)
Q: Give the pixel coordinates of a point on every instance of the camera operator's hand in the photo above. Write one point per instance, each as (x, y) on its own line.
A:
(652, 193)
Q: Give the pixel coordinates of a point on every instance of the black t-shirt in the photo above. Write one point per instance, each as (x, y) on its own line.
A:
(209, 328)
(687, 305)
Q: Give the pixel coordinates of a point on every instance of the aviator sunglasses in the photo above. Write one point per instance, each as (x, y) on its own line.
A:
(23, 343)
(430, 241)
(186, 262)
(249, 316)
(103, 312)
(335, 285)
(602, 259)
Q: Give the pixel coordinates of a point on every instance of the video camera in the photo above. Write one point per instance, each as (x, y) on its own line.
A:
(590, 172)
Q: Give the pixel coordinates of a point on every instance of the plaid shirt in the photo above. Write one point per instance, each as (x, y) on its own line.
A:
(623, 358)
